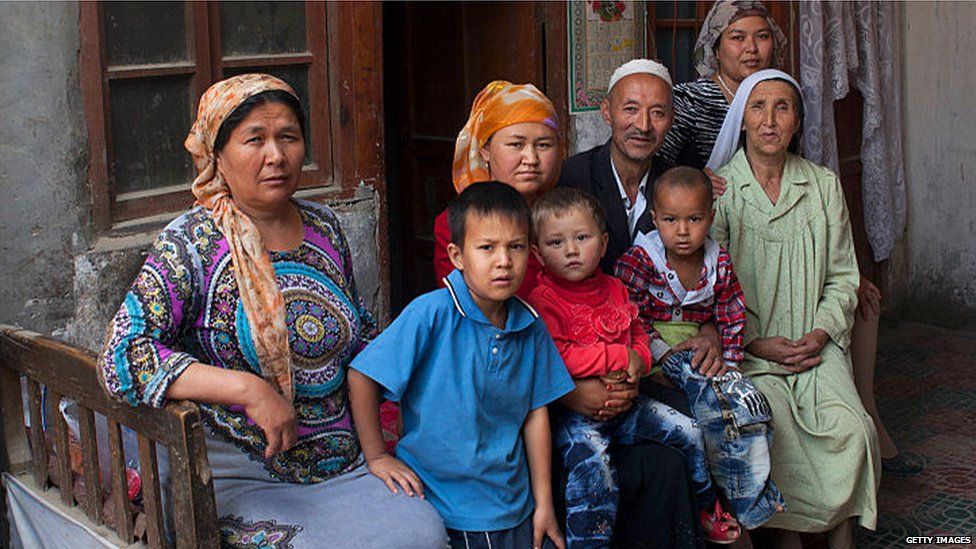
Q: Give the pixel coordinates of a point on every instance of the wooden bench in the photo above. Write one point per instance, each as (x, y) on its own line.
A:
(69, 371)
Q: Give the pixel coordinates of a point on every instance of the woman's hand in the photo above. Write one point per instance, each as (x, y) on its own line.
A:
(601, 398)
(273, 414)
(394, 472)
(793, 356)
(719, 183)
(544, 524)
(868, 299)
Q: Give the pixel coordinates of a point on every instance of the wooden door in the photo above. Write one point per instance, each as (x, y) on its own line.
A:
(438, 55)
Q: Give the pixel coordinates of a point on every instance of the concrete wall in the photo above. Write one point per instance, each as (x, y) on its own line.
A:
(56, 275)
(43, 158)
(934, 270)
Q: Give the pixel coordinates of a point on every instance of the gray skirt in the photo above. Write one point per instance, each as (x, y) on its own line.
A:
(352, 510)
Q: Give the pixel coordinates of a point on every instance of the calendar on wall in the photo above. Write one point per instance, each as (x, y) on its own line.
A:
(603, 34)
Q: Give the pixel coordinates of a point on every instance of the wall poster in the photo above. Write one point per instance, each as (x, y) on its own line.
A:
(603, 34)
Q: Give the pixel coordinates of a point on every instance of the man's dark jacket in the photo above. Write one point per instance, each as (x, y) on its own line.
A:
(590, 171)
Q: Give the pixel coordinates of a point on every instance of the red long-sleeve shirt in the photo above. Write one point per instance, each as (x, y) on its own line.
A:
(592, 323)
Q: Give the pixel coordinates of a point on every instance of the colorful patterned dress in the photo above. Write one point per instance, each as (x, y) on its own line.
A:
(184, 307)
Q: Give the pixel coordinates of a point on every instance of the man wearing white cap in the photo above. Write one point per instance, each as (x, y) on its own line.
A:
(620, 173)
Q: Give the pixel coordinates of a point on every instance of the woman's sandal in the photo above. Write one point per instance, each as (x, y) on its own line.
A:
(720, 527)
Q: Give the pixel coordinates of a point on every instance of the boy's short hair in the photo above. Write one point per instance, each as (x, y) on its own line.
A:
(556, 202)
(686, 177)
(484, 199)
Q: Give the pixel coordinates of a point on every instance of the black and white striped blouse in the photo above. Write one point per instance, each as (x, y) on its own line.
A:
(699, 110)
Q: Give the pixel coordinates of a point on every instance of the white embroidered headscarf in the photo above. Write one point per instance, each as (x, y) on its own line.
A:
(727, 142)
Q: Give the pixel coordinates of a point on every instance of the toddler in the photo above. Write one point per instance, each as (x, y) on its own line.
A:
(599, 332)
(680, 278)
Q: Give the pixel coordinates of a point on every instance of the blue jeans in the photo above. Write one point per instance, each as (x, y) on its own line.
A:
(591, 487)
(734, 419)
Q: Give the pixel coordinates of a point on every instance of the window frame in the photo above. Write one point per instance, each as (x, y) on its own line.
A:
(205, 67)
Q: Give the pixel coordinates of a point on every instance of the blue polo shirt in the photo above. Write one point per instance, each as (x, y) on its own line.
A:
(465, 388)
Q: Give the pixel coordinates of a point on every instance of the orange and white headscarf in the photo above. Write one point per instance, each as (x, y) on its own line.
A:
(499, 105)
(263, 303)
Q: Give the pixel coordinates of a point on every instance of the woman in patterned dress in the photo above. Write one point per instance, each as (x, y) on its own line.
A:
(247, 305)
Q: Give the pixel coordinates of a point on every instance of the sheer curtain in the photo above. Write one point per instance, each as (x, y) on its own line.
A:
(857, 44)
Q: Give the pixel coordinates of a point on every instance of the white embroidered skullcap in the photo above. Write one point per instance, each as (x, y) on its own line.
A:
(639, 66)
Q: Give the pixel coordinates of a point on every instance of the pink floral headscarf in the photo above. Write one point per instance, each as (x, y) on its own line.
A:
(263, 303)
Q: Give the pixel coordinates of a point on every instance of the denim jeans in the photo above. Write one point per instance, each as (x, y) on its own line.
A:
(733, 416)
(591, 487)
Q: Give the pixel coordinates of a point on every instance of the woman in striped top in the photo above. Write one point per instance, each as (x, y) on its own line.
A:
(737, 39)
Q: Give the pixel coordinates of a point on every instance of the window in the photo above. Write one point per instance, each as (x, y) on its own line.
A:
(145, 66)
(675, 26)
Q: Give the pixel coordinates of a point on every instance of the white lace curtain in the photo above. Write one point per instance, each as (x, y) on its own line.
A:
(857, 44)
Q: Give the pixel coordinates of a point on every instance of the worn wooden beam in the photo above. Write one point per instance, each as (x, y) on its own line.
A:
(192, 483)
(149, 469)
(89, 459)
(63, 455)
(38, 445)
(120, 485)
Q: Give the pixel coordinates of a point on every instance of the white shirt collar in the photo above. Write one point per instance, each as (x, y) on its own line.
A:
(636, 209)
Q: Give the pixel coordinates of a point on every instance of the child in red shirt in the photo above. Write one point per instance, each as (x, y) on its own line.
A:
(598, 332)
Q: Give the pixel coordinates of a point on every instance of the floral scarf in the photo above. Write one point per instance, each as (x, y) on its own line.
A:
(723, 14)
(499, 105)
(263, 303)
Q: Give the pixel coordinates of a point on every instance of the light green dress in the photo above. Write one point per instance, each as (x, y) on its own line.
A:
(795, 262)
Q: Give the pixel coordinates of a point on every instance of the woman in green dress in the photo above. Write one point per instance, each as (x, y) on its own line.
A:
(785, 223)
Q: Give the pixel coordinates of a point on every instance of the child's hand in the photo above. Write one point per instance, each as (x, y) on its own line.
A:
(544, 525)
(394, 472)
(635, 367)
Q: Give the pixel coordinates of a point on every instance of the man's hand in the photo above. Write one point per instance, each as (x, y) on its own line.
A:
(708, 354)
(545, 525)
(635, 366)
(601, 398)
(394, 472)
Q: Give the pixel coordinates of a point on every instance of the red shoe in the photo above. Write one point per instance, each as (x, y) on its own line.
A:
(720, 527)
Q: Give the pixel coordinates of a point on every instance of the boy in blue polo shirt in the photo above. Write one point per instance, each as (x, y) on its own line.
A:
(473, 368)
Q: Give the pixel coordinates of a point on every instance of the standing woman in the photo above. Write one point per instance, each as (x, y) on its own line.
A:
(785, 223)
(512, 136)
(246, 305)
(737, 39)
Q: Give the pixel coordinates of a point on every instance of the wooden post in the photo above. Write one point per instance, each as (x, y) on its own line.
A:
(149, 468)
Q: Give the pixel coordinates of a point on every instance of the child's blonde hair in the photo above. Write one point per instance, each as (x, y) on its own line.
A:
(557, 202)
